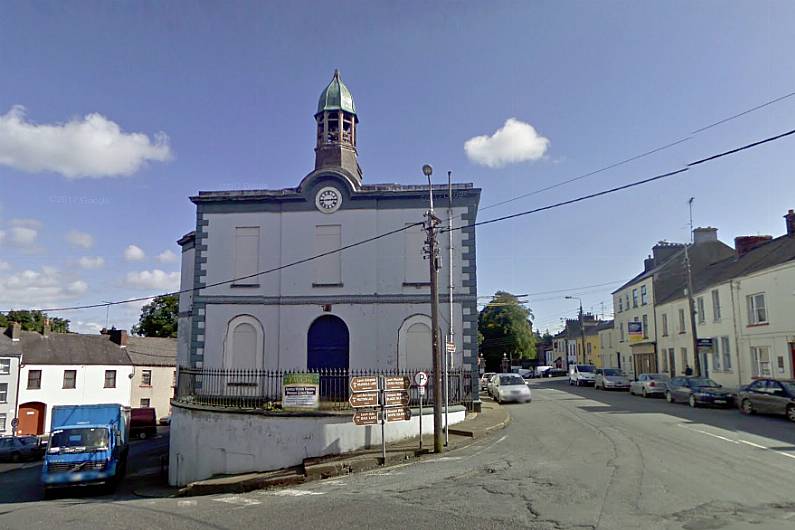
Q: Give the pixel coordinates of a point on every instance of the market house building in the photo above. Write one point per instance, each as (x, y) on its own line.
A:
(366, 308)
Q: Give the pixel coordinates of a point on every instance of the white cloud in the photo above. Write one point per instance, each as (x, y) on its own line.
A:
(515, 142)
(38, 288)
(85, 327)
(92, 146)
(134, 253)
(27, 223)
(22, 236)
(4, 265)
(80, 239)
(88, 262)
(167, 256)
(154, 279)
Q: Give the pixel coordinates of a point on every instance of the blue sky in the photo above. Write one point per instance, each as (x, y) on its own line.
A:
(234, 85)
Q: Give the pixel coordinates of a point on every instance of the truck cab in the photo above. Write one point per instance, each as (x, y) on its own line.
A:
(88, 445)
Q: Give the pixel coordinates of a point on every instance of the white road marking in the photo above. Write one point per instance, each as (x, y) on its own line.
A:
(442, 459)
(238, 500)
(186, 503)
(332, 483)
(738, 441)
(295, 493)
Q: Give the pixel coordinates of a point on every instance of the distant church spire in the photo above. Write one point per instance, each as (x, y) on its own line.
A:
(337, 129)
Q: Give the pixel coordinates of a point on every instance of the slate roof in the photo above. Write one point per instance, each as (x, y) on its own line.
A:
(152, 351)
(66, 348)
(775, 252)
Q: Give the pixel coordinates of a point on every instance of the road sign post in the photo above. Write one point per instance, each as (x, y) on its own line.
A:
(421, 379)
(380, 399)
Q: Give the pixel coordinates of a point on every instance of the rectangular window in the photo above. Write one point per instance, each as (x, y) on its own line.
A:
(683, 357)
(328, 269)
(69, 378)
(681, 321)
(757, 311)
(588, 348)
(634, 298)
(621, 328)
(5, 366)
(110, 378)
(174, 379)
(672, 357)
(246, 256)
(715, 305)
(700, 311)
(3, 393)
(760, 361)
(2, 423)
(146, 377)
(145, 403)
(620, 304)
(664, 360)
(34, 379)
(665, 325)
(715, 353)
(627, 299)
(725, 349)
(415, 268)
(644, 297)
(645, 326)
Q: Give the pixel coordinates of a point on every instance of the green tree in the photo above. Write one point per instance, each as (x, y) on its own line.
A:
(506, 328)
(34, 321)
(158, 318)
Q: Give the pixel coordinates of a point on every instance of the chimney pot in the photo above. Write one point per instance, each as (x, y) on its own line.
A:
(790, 220)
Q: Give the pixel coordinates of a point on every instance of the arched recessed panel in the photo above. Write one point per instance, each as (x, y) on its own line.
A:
(415, 349)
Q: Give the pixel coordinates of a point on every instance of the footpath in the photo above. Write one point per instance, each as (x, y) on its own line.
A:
(477, 425)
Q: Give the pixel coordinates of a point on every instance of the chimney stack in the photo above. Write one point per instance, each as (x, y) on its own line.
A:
(790, 218)
(45, 329)
(648, 264)
(14, 331)
(744, 244)
(701, 235)
(119, 336)
(664, 250)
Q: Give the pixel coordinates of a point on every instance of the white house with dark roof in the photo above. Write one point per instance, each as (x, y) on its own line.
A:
(367, 307)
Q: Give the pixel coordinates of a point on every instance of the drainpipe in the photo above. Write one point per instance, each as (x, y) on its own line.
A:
(16, 398)
(736, 334)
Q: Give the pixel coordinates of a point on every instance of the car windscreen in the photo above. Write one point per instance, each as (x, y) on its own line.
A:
(703, 382)
(611, 371)
(67, 440)
(511, 380)
(585, 368)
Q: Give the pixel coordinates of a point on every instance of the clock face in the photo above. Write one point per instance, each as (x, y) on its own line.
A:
(328, 200)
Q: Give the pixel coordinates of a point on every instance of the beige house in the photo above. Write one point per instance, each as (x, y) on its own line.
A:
(154, 372)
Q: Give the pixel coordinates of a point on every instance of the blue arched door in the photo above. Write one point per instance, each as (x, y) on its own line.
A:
(327, 349)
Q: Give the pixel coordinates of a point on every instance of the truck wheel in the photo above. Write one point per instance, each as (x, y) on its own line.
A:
(142, 436)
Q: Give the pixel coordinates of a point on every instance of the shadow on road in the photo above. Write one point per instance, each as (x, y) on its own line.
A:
(616, 402)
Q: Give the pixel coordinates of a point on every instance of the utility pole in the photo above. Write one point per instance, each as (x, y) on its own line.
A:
(690, 302)
(437, 364)
(582, 329)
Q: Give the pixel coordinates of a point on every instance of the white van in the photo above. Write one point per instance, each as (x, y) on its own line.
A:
(582, 374)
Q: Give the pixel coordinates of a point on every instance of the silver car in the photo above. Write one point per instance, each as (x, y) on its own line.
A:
(510, 387)
(610, 379)
(650, 385)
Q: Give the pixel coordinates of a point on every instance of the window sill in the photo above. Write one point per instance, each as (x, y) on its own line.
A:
(144, 386)
(68, 388)
(418, 285)
(758, 325)
(327, 284)
(108, 387)
(244, 285)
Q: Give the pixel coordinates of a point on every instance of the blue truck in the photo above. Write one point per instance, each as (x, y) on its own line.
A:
(88, 446)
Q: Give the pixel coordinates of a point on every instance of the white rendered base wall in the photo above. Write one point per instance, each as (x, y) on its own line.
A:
(206, 442)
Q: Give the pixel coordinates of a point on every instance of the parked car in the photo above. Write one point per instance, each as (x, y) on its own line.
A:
(556, 372)
(649, 385)
(610, 379)
(542, 371)
(490, 384)
(143, 423)
(698, 391)
(17, 448)
(165, 420)
(484, 380)
(582, 374)
(768, 396)
(510, 387)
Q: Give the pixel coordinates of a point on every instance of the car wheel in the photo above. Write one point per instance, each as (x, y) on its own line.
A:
(692, 401)
(643, 393)
(791, 413)
(15, 457)
(746, 407)
(668, 397)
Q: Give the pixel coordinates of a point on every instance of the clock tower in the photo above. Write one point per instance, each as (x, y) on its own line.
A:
(337, 125)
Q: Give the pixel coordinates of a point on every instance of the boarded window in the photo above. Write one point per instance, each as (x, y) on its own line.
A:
(419, 351)
(246, 255)
(244, 339)
(328, 269)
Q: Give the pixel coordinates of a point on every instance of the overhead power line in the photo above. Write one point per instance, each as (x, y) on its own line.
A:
(638, 156)
(398, 230)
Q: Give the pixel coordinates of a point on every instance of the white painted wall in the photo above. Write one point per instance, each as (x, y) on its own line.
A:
(206, 443)
(88, 390)
(8, 407)
(159, 392)
(185, 304)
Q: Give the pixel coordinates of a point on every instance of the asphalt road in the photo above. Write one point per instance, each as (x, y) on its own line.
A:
(573, 458)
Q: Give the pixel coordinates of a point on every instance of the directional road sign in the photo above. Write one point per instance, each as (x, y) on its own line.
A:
(396, 383)
(363, 384)
(366, 417)
(398, 414)
(364, 399)
(396, 398)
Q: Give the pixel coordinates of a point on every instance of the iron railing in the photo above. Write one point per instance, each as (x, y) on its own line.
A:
(262, 389)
